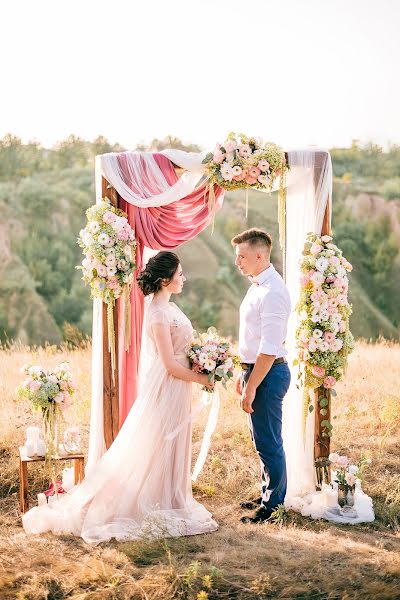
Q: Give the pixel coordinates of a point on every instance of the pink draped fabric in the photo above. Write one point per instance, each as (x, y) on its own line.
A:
(159, 228)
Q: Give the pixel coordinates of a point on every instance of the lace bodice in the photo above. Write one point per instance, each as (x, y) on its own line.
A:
(180, 327)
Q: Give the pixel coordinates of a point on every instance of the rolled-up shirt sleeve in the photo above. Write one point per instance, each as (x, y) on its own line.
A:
(273, 317)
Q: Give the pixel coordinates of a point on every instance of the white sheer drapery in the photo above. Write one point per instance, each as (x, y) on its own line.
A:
(306, 200)
(141, 168)
(309, 186)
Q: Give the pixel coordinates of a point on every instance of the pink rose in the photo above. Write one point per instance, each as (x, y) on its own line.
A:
(35, 385)
(342, 461)
(218, 157)
(329, 382)
(350, 479)
(332, 310)
(238, 177)
(113, 284)
(330, 279)
(230, 146)
(263, 165)
(123, 235)
(315, 248)
(329, 336)
(254, 172)
(109, 217)
(245, 150)
(251, 180)
(304, 280)
(333, 260)
(318, 371)
(59, 398)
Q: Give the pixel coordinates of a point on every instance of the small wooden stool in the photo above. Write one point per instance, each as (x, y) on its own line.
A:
(79, 463)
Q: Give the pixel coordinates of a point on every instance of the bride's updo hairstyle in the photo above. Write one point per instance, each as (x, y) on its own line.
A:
(159, 270)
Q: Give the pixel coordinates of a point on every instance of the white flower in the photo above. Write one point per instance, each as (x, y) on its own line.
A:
(110, 251)
(119, 223)
(128, 251)
(52, 378)
(321, 264)
(35, 371)
(202, 358)
(315, 318)
(111, 261)
(227, 172)
(326, 238)
(210, 364)
(303, 315)
(324, 315)
(264, 180)
(350, 479)
(353, 469)
(59, 398)
(237, 170)
(341, 272)
(317, 278)
(103, 239)
(317, 333)
(312, 346)
(336, 345)
(111, 271)
(87, 239)
(323, 346)
(93, 226)
(315, 248)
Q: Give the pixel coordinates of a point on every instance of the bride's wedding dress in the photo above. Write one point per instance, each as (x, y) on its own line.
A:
(141, 486)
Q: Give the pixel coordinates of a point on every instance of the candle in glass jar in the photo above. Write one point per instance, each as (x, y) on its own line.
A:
(42, 500)
(29, 449)
(32, 434)
(68, 480)
(40, 448)
(331, 498)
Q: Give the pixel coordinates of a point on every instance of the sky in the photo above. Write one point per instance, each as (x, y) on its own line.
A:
(295, 72)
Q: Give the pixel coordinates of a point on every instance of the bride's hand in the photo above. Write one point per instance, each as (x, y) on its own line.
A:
(204, 381)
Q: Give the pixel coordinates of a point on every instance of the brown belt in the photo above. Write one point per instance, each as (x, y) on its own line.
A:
(277, 361)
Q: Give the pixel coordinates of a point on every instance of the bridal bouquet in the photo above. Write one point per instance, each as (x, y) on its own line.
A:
(109, 246)
(212, 355)
(323, 336)
(51, 392)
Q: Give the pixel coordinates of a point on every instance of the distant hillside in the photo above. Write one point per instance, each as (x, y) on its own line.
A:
(43, 202)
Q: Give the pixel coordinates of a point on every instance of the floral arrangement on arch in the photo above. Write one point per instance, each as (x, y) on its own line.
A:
(323, 336)
(212, 355)
(109, 246)
(243, 162)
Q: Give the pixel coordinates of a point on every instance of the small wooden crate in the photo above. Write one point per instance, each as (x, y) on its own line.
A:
(79, 463)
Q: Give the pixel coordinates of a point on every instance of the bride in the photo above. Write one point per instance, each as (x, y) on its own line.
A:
(142, 486)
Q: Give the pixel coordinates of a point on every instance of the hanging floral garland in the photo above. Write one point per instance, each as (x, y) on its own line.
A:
(323, 336)
(243, 162)
(109, 246)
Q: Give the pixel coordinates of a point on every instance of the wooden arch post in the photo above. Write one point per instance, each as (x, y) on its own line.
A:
(110, 387)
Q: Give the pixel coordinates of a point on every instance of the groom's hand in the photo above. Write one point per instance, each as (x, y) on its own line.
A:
(247, 399)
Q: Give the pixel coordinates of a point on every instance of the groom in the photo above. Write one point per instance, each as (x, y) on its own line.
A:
(265, 375)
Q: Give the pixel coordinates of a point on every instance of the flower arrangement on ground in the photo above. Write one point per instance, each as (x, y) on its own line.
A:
(323, 336)
(51, 393)
(109, 246)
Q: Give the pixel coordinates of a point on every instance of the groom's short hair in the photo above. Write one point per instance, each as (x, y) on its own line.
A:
(254, 237)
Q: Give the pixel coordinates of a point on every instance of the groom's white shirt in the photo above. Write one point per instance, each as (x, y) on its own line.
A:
(264, 314)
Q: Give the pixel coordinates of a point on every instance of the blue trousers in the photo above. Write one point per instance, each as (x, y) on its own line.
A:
(265, 425)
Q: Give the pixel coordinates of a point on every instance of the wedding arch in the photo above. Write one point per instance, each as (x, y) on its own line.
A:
(165, 210)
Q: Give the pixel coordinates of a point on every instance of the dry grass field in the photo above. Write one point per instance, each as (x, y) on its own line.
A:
(294, 559)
